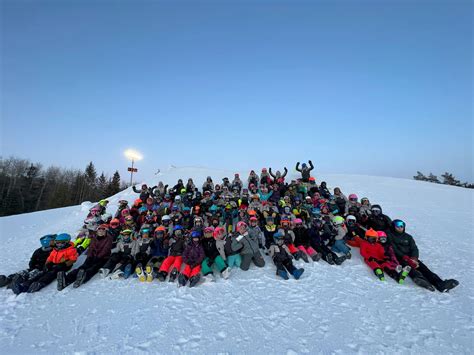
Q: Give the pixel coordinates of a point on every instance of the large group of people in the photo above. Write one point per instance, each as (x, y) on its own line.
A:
(185, 234)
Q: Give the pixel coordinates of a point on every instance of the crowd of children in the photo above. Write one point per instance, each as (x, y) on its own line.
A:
(186, 234)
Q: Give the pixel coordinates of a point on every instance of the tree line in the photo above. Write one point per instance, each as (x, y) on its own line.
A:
(448, 179)
(29, 187)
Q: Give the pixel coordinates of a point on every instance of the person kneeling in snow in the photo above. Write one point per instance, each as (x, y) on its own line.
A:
(378, 260)
(193, 256)
(97, 255)
(250, 250)
(35, 269)
(213, 255)
(282, 258)
(406, 252)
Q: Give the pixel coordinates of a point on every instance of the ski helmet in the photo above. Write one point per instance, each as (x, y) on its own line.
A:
(278, 237)
(218, 231)
(297, 221)
(241, 224)
(376, 210)
(103, 226)
(208, 230)
(364, 200)
(371, 235)
(253, 219)
(382, 236)
(166, 218)
(398, 223)
(353, 197)
(114, 223)
(350, 219)
(62, 240)
(196, 234)
(338, 221)
(47, 239)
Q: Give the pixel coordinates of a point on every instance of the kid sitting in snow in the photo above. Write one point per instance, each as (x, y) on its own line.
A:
(282, 258)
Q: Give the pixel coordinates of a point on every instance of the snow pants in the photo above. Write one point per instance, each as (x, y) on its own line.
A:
(155, 262)
(189, 271)
(234, 260)
(171, 262)
(325, 251)
(340, 247)
(207, 265)
(248, 258)
(118, 261)
(91, 266)
(284, 264)
(49, 276)
(308, 250)
(423, 271)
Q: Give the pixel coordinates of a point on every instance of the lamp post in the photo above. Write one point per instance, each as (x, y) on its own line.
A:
(132, 155)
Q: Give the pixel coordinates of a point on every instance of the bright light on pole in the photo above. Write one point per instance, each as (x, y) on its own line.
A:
(133, 155)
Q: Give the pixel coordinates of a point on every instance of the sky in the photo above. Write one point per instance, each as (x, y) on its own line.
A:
(360, 87)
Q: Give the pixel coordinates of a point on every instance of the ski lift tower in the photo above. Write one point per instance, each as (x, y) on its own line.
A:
(132, 155)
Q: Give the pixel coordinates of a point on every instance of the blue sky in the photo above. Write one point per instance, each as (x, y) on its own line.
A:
(371, 87)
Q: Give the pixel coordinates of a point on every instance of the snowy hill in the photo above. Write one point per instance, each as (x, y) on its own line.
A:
(331, 309)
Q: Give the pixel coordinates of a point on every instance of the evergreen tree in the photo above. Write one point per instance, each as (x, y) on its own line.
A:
(449, 179)
(114, 184)
(433, 178)
(419, 176)
(102, 185)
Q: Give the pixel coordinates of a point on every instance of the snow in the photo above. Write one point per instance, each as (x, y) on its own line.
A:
(331, 309)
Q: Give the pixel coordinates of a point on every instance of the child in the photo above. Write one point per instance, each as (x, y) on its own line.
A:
(213, 256)
(281, 257)
(249, 244)
(174, 260)
(35, 267)
(120, 262)
(256, 232)
(141, 253)
(339, 245)
(97, 255)
(289, 237)
(355, 234)
(232, 249)
(269, 230)
(62, 257)
(374, 256)
(159, 248)
(193, 256)
(302, 240)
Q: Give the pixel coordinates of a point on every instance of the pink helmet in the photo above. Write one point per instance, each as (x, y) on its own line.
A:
(381, 234)
(208, 230)
(218, 231)
(241, 224)
(297, 221)
(353, 197)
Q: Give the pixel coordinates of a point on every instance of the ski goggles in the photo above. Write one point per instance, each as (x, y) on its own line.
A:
(376, 210)
(399, 224)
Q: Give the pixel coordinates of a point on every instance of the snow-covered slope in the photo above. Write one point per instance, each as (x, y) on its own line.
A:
(331, 309)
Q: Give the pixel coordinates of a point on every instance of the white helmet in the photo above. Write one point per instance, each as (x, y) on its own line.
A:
(166, 218)
(106, 217)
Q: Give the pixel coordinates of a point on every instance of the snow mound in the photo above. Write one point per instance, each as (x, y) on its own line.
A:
(333, 309)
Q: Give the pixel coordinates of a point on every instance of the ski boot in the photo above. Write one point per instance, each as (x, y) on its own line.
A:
(422, 282)
(283, 274)
(297, 255)
(173, 275)
(61, 277)
(209, 278)
(17, 285)
(225, 273)
(330, 259)
(304, 256)
(116, 274)
(103, 272)
(403, 272)
(182, 280)
(140, 273)
(340, 259)
(162, 276)
(35, 287)
(149, 273)
(193, 281)
(316, 257)
(447, 285)
(81, 276)
(127, 271)
(380, 274)
(4, 280)
(297, 273)
(348, 255)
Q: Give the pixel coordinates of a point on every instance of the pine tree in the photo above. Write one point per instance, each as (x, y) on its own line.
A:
(449, 179)
(90, 183)
(102, 185)
(419, 176)
(433, 178)
(114, 184)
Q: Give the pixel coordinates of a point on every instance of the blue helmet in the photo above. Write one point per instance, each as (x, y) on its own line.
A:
(196, 234)
(63, 237)
(46, 240)
(278, 236)
(303, 165)
(178, 227)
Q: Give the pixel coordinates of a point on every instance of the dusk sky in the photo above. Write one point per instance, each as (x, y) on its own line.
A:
(360, 87)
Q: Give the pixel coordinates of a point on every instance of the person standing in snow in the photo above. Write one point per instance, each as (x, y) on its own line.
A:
(305, 170)
(406, 252)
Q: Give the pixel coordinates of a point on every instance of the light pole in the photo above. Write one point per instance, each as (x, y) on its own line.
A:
(132, 155)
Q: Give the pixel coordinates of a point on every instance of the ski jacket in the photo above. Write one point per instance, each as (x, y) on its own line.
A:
(305, 172)
(67, 255)
(301, 236)
(403, 244)
(210, 248)
(38, 259)
(372, 251)
(176, 246)
(158, 248)
(248, 242)
(100, 247)
(256, 233)
(193, 254)
(230, 247)
(279, 253)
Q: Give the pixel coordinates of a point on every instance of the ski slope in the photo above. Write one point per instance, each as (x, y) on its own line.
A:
(331, 309)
